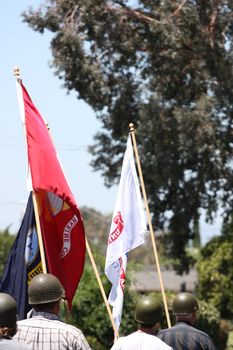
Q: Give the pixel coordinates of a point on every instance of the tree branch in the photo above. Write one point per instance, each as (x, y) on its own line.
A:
(139, 15)
(212, 27)
(176, 12)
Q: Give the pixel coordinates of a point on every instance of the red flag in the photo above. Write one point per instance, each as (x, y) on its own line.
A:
(61, 223)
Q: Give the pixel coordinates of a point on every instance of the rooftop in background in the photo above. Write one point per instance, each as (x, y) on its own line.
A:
(148, 281)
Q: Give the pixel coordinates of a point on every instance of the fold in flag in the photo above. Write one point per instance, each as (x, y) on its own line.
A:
(23, 262)
(127, 231)
(60, 219)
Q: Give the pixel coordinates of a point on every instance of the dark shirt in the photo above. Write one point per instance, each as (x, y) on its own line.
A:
(185, 337)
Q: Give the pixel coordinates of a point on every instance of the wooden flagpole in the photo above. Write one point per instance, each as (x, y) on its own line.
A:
(40, 240)
(132, 133)
(102, 289)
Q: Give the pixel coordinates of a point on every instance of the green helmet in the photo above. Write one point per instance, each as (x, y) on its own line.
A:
(184, 304)
(8, 311)
(45, 288)
(148, 311)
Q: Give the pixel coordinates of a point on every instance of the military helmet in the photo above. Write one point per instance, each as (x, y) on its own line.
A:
(45, 288)
(8, 311)
(184, 304)
(148, 311)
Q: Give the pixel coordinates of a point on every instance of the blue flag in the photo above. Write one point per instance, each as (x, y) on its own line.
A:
(23, 262)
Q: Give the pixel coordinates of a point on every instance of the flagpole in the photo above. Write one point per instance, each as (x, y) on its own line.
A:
(102, 289)
(40, 240)
(132, 133)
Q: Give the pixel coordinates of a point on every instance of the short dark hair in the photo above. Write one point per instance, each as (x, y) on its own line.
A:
(7, 331)
(45, 307)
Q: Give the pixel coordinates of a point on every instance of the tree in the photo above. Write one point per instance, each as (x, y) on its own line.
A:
(215, 272)
(166, 66)
(97, 226)
(6, 242)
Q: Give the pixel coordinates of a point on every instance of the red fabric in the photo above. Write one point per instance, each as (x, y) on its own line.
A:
(60, 219)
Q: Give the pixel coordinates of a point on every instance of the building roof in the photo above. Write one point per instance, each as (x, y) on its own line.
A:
(148, 281)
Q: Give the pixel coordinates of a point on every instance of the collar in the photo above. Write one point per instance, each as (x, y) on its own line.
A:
(180, 322)
(43, 314)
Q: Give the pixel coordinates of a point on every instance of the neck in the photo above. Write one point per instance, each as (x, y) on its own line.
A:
(150, 330)
(52, 308)
(187, 319)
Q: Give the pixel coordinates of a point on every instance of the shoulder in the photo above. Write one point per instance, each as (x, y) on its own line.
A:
(162, 344)
(164, 331)
(118, 343)
(205, 338)
(41, 322)
(36, 325)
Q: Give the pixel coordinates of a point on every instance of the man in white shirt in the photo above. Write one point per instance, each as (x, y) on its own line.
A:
(148, 314)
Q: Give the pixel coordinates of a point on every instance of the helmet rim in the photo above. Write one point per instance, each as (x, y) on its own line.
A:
(44, 289)
(184, 304)
(148, 311)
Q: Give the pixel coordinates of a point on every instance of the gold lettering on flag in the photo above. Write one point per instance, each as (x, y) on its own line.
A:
(38, 269)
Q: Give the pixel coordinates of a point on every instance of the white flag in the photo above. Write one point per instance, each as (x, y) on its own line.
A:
(127, 231)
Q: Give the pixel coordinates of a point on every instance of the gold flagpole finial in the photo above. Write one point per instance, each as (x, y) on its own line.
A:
(16, 72)
(131, 127)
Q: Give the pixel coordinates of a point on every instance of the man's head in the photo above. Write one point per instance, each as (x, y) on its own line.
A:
(44, 291)
(148, 312)
(8, 315)
(185, 306)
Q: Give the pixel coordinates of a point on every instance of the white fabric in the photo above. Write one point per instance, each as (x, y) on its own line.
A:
(127, 230)
(140, 341)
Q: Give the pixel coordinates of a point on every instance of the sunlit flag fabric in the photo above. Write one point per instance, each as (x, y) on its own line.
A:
(127, 231)
(23, 262)
(60, 219)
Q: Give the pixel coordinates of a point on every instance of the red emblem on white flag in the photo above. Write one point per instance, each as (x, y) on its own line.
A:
(119, 228)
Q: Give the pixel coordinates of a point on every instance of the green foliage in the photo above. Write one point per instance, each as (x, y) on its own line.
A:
(6, 242)
(166, 67)
(89, 312)
(230, 341)
(216, 275)
(209, 322)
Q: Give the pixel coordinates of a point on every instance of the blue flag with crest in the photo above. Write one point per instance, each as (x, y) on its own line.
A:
(23, 262)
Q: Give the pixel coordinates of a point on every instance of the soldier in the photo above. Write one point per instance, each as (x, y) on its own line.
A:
(8, 328)
(45, 330)
(148, 314)
(183, 336)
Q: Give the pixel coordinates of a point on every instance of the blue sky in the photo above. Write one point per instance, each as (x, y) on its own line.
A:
(71, 121)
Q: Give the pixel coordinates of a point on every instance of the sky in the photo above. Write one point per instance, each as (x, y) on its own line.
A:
(72, 123)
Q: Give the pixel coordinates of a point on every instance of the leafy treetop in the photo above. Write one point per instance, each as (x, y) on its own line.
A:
(166, 66)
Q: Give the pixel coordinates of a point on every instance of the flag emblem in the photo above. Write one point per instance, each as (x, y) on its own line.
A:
(119, 228)
(32, 246)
